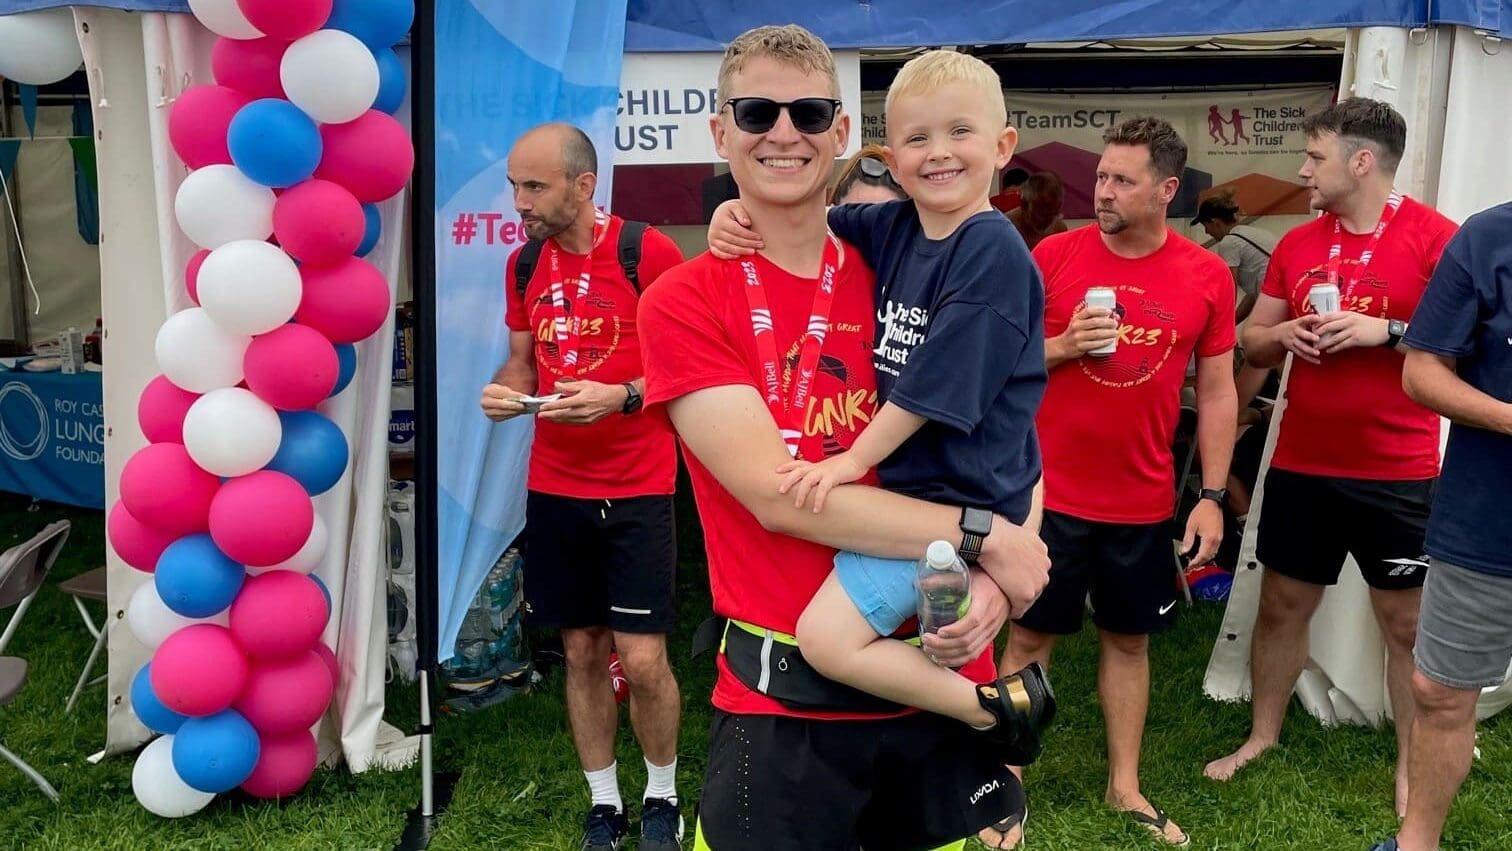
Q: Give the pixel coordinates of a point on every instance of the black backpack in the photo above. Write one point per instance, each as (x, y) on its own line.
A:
(629, 257)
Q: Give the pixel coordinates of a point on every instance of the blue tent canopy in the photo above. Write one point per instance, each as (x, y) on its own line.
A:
(704, 25)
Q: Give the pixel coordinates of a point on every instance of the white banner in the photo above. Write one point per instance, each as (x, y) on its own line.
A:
(667, 99)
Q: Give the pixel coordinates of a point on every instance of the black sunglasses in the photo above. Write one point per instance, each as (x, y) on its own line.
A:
(809, 115)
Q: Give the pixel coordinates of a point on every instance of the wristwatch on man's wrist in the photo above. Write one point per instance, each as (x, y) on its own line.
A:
(1396, 329)
(632, 398)
(976, 524)
(1218, 495)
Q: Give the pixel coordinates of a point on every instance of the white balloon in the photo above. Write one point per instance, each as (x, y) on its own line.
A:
(231, 432)
(330, 75)
(151, 621)
(158, 786)
(218, 204)
(249, 286)
(224, 17)
(40, 47)
(197, 354)
(309, 556)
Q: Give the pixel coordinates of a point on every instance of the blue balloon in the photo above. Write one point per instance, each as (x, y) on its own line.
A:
(149, 710)
(376, 23)
(346, 358)
(216, 753)
(196, 579)
(374, 229)
(313, 451)
(391, 82)
(323, 590)
(273, 143)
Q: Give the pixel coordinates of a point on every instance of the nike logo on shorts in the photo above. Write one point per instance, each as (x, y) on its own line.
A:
(1167, 607)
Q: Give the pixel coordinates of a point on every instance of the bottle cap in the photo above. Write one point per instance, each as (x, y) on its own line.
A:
(940, 555)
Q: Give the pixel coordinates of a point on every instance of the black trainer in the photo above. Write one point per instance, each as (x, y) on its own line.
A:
(661, 825)
(1024, 705)
(604, 828)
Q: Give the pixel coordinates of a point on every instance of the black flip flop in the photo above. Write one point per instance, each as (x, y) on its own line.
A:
(1018, 820)
(1156, 824)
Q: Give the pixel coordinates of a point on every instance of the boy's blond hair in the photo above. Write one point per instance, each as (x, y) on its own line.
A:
(789, 44)
(926, 73)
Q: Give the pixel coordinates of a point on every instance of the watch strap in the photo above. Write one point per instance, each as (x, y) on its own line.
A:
(970, 550)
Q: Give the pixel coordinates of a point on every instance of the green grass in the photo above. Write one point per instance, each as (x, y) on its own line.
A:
(520, 787)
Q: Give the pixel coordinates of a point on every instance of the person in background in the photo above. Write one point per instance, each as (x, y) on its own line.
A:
(1008, 197)
(600, 543)
(1038, 214)
(1246, 248)
(866, 180)
(1457, 364)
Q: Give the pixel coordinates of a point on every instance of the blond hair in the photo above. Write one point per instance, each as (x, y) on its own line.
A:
(789, 44)
(928, 72)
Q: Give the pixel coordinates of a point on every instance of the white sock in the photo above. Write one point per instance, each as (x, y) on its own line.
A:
(661, 780)
(604, 786)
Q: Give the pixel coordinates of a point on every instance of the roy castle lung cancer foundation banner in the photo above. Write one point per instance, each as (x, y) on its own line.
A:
(1251, 142)
(52, 437)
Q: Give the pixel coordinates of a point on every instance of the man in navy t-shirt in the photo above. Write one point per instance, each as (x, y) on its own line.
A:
(1460, 365)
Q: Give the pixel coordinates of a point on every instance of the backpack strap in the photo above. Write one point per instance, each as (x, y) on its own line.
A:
(525, 265)
(630, 251)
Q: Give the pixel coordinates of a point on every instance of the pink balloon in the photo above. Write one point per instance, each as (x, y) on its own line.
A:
(291, 367)
(284, 765)
(250, 67)
(163, 487)
(261, 519)
(198, 121)
(278, 615)
(285, 696)
(286, 19)
(138, 544)
(198, 670)
(191, 274)
(328, 656)
(161, 409)
(371, 156)
(346, 301)
(318, 222)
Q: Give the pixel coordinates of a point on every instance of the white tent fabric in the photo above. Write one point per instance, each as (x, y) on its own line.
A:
(137, 66)
(1443, 81)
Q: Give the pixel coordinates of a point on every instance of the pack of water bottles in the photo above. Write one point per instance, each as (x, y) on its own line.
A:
(490, 662)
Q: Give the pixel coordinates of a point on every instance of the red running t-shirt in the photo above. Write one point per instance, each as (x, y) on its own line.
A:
(618, 456)
(1107, 423)
(698, 329)
(1348, 416)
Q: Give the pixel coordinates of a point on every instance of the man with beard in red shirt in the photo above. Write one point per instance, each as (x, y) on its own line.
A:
(1107, 426)
(1356, 459)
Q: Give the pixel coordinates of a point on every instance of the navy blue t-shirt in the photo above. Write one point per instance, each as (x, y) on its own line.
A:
(1466, 313)
(961, 342)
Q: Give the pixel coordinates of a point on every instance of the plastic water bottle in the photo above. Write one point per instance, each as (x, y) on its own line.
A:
(944, 587)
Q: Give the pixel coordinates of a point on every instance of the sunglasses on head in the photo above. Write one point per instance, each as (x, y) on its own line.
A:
(758, 115)
(874, 168)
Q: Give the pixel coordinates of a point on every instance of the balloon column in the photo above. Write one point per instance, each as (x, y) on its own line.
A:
(294, 142)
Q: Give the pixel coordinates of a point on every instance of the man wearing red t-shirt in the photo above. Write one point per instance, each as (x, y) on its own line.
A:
(1356, 459)
(797, 761)
(599, 537)
(1107, 426)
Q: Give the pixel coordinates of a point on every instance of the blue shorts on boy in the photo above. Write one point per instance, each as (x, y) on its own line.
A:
(960, 342)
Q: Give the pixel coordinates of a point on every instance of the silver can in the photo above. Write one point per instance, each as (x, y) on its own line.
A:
(1324, 298)
(1106, 298)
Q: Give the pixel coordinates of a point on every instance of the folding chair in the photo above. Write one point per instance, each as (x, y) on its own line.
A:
(1186, 425)
(22, 570)
(87, 586)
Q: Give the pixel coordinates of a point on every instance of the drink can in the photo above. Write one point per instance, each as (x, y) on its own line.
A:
(1103, 297)
(1324, 298)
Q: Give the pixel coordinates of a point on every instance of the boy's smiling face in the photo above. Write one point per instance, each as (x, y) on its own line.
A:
(945, 147)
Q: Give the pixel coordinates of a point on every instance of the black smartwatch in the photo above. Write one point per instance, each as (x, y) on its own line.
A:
(1218, 495)
(633, 399)
(976, 524)
(1396, 329)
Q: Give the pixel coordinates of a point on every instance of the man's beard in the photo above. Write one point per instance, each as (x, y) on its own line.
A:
(545, 228)
(1119, 224)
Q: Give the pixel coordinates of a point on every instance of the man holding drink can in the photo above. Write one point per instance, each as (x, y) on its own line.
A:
(1355, 461)
(1127, 304)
